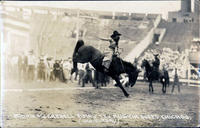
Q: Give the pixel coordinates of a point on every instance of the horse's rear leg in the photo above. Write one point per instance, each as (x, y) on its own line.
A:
(164, 84)
(165, 87)
(94, 83)
(121, 87)
(151, 87)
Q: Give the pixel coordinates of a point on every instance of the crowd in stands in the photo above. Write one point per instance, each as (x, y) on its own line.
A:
(195, 47)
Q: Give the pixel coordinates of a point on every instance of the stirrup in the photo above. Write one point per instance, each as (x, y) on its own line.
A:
(105, 69)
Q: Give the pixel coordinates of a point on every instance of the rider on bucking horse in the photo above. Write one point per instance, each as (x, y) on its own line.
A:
(111, 50)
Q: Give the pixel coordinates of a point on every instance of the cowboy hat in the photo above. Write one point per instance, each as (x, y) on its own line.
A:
(156, 54)
(115, 33)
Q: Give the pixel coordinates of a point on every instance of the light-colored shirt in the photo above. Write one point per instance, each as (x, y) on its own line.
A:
(31, 60)
(67, 65)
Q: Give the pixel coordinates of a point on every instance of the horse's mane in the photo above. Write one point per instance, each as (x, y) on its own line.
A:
(78, 45)
(148, 63)
(149, 66)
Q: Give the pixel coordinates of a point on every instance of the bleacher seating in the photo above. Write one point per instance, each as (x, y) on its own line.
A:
(57, 29)
(173, 48)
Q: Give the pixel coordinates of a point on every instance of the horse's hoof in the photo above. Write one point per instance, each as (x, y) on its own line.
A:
(127, 95)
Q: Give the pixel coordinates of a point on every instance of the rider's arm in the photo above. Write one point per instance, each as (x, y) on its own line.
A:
(105, 39)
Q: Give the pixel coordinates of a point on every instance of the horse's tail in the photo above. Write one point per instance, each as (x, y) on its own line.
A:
(78, 45)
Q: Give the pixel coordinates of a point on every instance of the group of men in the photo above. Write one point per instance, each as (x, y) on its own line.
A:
(44, 68)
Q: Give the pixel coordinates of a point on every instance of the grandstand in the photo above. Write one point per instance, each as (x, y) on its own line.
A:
(54, 31)
(178, 36)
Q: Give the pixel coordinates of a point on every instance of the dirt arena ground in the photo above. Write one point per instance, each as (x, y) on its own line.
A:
(56, 104)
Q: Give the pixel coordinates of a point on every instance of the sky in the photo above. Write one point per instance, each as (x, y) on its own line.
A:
(158, 7)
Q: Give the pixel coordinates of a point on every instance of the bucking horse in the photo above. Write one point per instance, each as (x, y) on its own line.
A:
(86, 53)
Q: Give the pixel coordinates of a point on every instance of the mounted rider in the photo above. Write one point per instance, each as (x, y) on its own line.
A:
(156, 62)
(113, 47)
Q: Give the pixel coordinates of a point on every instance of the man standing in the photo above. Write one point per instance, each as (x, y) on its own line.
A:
(111, 50)
(56, 69)
(31, 66)
(67, 66)
(176, 82)
(41, 70)
(88, 76)
(22, 66)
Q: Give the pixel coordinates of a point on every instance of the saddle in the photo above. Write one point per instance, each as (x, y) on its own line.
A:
(157, 71)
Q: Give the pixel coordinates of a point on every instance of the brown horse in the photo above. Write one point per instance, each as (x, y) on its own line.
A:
(83, 54)
(153, 75)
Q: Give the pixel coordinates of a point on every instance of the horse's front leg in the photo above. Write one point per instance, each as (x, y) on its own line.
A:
(120, 85)
(165, 86)
(149, 87)
(152, 86)
(163, 81)
(74, 69)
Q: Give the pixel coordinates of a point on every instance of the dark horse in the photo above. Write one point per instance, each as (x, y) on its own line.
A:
(83, 54)
(153, 75)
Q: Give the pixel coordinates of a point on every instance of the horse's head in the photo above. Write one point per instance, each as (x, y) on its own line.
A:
(145, 63)
(133, 77)
(132, 72)
(79, 44)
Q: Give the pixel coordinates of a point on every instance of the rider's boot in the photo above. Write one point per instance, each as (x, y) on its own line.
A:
(106, 65)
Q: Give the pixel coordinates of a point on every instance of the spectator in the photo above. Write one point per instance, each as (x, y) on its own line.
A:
(56, 69)
(88, 75)
(67, 66)
(49, 69)
(176, 81)
(31, 65)
(41, 70)
(19, 64)
(62, 75)
(22, 67)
